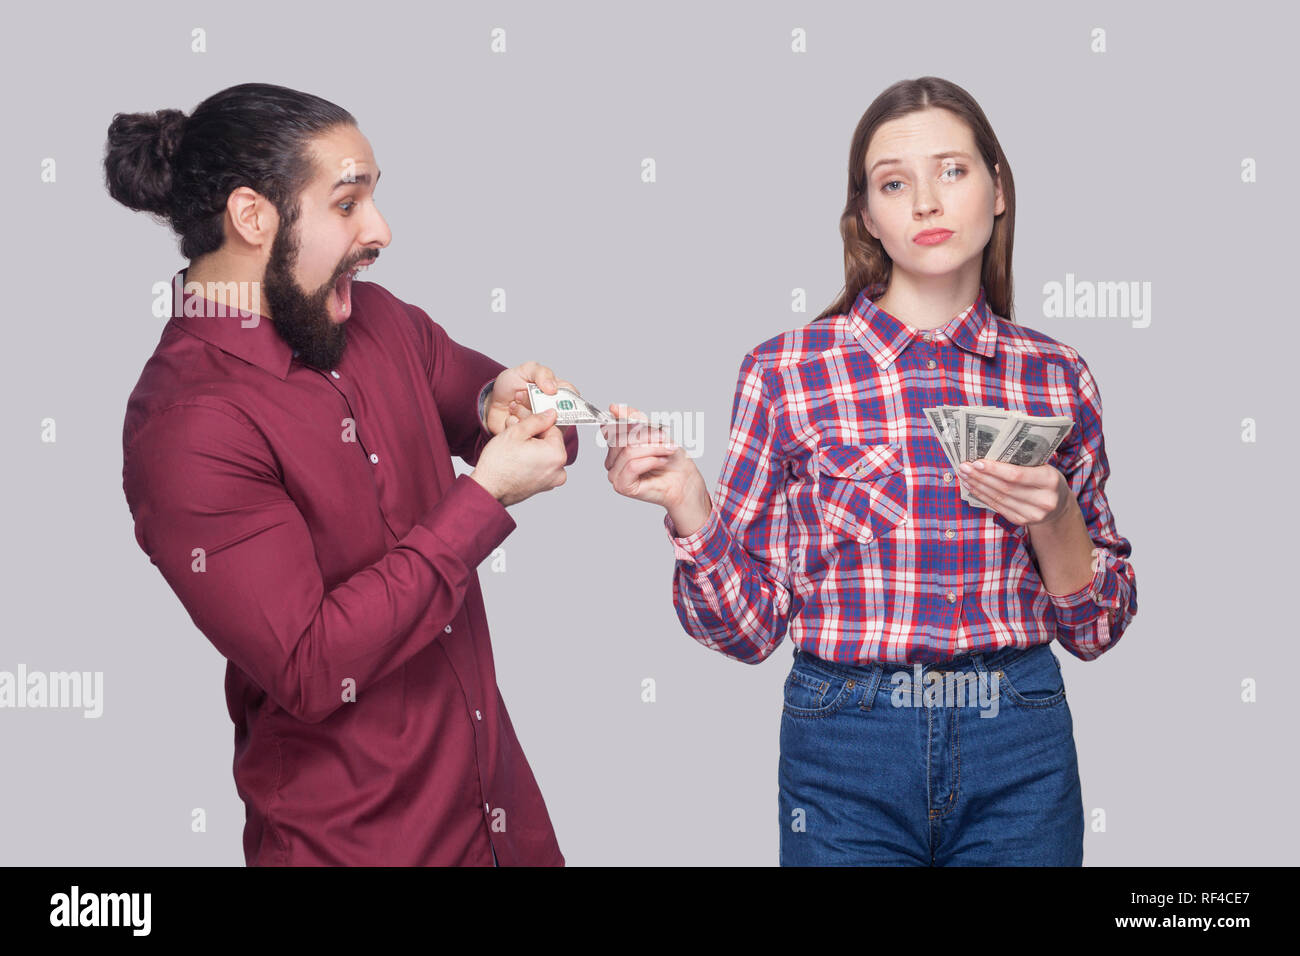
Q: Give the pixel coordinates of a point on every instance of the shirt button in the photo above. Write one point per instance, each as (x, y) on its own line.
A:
(927, 336)
(374, 459)
(952, 598)
(932, 364)
(947, 476)
(447, 629)
(335, 374)
(948, 533)
(478, 715)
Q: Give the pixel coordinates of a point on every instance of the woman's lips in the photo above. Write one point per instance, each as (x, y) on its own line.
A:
(932, 237)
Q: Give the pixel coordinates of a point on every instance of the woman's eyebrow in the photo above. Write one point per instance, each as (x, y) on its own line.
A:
(947, 154)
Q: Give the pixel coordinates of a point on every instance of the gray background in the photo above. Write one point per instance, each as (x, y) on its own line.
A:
(522, 171)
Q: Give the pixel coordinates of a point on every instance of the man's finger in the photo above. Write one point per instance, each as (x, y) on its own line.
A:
(540, 375)
(536, 423)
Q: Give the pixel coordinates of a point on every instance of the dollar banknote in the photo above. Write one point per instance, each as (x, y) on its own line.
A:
(570, 407)
(969, 432)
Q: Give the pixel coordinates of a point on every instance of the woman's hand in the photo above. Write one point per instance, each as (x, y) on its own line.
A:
(647, 466)
(1022, 495)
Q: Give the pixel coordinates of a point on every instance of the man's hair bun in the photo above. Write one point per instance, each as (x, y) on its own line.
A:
(139, 159)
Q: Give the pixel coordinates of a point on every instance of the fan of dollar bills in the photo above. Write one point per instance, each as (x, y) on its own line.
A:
(968, 432)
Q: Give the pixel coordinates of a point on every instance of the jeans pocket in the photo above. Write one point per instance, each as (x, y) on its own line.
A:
(1032, 679)
(811, 692)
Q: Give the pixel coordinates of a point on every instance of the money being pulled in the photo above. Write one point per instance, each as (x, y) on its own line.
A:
(968, 432)
(572, 409)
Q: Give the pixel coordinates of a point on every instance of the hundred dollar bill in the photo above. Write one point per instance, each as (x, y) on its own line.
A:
(570, 407)
(978, 429)
(943, 419)
(1030, 440)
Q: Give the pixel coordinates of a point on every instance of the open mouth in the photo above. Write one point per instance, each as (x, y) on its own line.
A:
(343, 289)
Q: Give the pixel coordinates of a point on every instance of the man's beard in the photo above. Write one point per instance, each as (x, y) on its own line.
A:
(301, 319)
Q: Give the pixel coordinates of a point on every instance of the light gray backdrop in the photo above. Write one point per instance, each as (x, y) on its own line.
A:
(522, 171)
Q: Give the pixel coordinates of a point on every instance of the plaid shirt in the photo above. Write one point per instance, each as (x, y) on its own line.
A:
(838, 517)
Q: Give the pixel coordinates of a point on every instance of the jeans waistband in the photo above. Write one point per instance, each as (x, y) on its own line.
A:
(965, 662)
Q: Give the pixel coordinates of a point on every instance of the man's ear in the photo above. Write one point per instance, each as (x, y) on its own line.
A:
(252, 216)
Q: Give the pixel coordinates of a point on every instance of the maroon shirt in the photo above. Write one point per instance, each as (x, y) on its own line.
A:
(339, 549)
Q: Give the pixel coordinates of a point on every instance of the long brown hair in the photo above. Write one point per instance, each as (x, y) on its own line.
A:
(865, 259)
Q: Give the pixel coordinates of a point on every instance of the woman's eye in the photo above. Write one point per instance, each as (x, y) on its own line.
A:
(349, 204)
(884, 188)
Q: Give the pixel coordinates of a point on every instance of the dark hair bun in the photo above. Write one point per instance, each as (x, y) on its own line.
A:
(139, 156)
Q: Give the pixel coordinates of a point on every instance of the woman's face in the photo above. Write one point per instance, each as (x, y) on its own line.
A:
(911, 189)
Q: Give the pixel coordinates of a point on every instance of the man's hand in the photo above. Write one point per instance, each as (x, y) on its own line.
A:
(512, 386)
(527, 457)
(1024, 496)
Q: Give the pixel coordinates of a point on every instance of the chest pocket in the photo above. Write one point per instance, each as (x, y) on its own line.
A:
(861, 489)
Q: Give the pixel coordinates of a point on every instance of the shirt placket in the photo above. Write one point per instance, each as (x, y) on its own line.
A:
(932, 356)
(457, 639)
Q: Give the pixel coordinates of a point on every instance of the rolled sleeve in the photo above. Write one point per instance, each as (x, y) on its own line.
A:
(731, 581)
(1091, 620)
(706, 547)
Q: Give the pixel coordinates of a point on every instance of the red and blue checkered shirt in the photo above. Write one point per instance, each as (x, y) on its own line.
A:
(839, 518)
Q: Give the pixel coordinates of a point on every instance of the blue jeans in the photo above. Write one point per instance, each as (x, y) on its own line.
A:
(968, 762)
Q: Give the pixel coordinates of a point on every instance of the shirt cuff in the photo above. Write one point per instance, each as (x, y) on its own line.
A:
(706, 547)
(483, 394)
(1085, 605)
(467, 522)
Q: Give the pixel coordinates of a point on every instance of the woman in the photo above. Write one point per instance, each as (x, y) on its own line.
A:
(839, 518)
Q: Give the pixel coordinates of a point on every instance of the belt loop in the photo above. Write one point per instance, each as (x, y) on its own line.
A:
(873, 686)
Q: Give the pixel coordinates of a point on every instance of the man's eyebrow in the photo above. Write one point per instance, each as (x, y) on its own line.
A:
(360, 178)
(944, 155)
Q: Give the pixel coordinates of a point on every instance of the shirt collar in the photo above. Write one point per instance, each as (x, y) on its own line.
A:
(230, 330)
(885, 337)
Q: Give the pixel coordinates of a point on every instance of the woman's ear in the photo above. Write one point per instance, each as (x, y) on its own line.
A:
(999, 203)
(866, 222)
